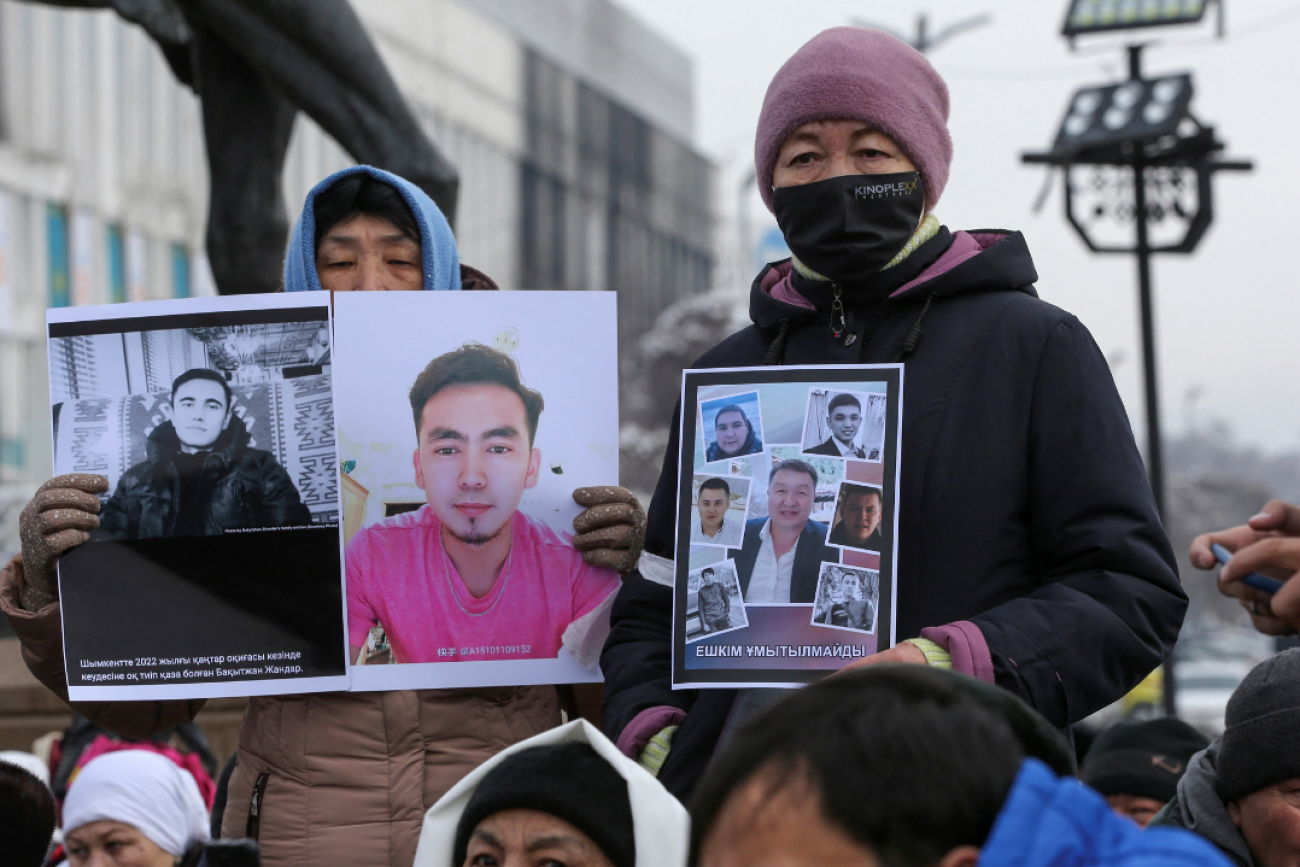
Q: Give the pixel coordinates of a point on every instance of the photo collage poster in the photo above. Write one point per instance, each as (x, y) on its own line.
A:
(255, 446)
(787, 522)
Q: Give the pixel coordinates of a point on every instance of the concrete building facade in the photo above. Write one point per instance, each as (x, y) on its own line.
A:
(569, 121)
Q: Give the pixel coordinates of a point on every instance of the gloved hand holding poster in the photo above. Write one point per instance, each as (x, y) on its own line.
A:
(787, 522)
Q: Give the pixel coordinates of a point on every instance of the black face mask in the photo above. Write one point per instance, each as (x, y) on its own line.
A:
(848, 228)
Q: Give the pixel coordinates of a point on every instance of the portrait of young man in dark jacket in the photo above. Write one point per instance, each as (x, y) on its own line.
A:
(201, 478)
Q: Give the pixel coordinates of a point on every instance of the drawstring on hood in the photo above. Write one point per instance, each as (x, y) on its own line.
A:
(776, 351)
(914, 333)
(438, 257)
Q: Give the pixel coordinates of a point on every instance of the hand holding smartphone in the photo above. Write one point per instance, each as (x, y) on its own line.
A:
(1254, 579)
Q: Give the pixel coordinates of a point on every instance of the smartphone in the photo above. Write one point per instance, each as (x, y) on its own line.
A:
(1254, 579)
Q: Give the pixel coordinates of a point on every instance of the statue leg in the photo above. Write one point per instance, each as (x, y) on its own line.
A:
(318, 54)
(246, 124)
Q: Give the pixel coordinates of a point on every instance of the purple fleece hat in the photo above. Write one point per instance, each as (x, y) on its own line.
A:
(859, 74)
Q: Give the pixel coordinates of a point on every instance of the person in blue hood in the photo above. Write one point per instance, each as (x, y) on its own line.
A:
(363, 229)
(909, 766)
(331, 778)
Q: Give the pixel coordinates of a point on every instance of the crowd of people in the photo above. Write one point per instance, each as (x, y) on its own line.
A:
(894, 764)
(1037, 587)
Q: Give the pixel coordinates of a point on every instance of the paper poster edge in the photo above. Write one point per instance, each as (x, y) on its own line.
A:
(677, 530)
(183, 306)
(558, 670)
(715, 685)
(226, 689)
(786, 367)
(898, 491)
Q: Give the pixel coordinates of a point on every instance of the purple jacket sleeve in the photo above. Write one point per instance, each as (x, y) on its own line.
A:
(966, 644)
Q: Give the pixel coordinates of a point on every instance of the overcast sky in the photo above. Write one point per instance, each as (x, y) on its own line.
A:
(1228, 316)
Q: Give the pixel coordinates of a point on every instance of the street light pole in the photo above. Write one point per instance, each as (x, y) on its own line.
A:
(923, 41)
(1143, 128)
(1155, 454)
(1155, 457)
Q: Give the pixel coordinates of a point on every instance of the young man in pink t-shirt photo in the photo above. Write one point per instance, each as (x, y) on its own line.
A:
(468, 575)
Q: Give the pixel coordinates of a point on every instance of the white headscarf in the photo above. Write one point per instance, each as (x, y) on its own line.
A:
(142, 789)
(660, 824)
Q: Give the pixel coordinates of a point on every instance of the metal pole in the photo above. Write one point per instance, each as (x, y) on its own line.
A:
(1155, 456)
(1155, 459)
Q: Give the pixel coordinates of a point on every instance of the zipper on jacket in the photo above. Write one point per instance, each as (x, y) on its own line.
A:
(255, 806)
(841, 321)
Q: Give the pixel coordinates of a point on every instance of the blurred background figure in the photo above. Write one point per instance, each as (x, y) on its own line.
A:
(1137, 765)
(27, 813)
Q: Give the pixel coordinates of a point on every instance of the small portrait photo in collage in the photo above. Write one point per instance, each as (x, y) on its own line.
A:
(830, 472)
(714, 604)
(721, 503)
(732, 425)
(859, 518)
(847, 598)
(845, 424)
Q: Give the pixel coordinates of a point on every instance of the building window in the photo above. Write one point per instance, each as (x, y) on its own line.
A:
(180, 271)
(56, 230)
(116, 264)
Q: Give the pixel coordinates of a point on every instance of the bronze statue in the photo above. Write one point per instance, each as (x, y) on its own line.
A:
(254, 64)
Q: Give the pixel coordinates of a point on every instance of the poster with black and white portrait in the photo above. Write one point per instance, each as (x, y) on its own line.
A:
(215, 568)
(847, 598)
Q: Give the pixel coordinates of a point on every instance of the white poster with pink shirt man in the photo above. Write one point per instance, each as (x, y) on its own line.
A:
(465, 423)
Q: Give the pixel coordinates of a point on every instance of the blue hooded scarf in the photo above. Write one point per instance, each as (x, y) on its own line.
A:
(441, 262)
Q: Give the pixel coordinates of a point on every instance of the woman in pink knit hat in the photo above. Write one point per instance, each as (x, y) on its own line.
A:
(1030, 553)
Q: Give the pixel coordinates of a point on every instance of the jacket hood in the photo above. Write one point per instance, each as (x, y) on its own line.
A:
(441, 262)
(233, 441)
(1057, 820)
(1204, 812)
(661, 826)
(981, 260)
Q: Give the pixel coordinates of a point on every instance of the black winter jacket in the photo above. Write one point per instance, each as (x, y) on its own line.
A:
(239, 487)
(1024, 504)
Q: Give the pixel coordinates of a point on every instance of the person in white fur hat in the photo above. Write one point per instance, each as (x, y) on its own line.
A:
(566, 795)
